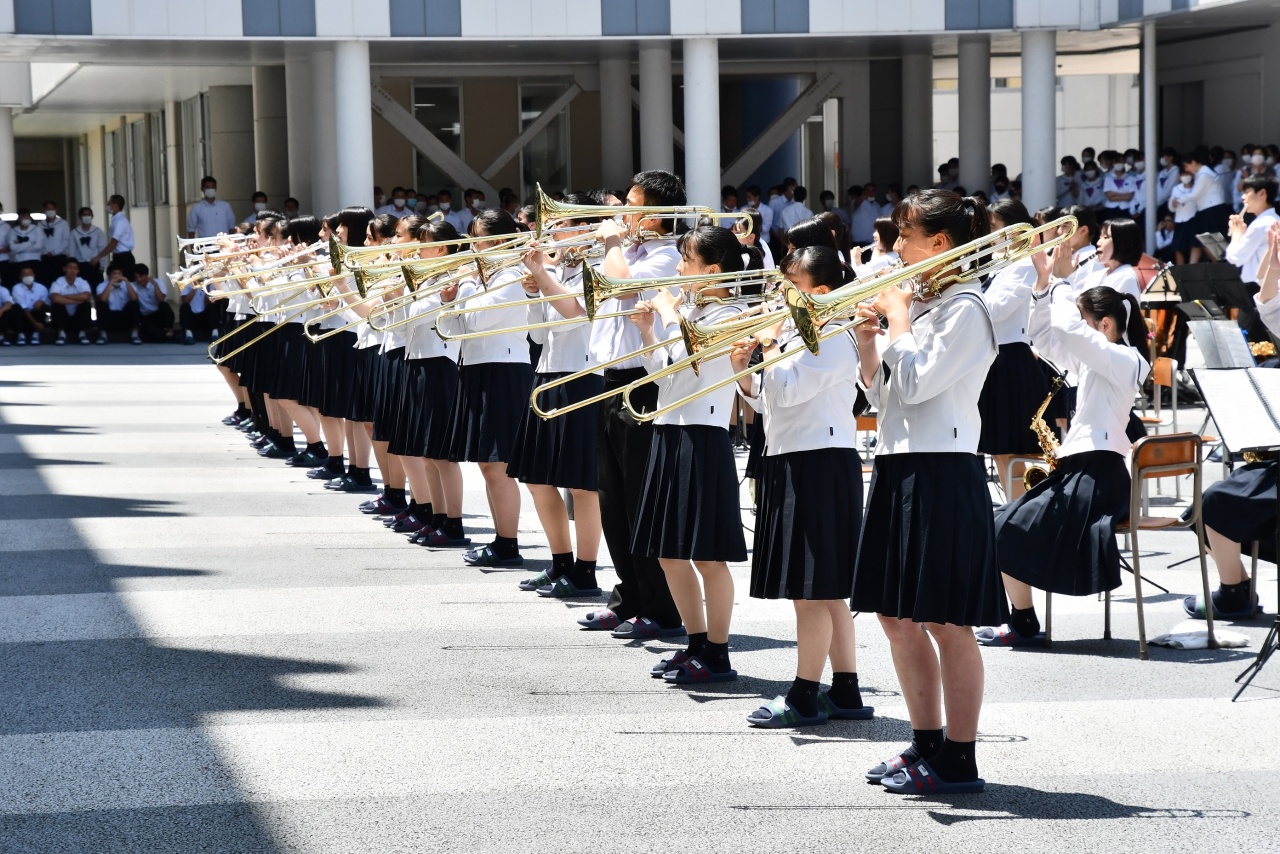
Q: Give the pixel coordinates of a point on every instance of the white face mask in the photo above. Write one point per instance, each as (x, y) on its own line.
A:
(1119, 170)
(210, 193)
(26, 223)
(1165, 162)
(399, 203)
(86, 220)
(28, 280)
(1258, 159)
(478, 205)
(1229, 163)
(1186, 179)
(1270, 161)
(953, 173)
(1139, 165)
(444, 206)
(50, 215)
(1090, 174)
(380, 201)
(433, 209)
(259, 206)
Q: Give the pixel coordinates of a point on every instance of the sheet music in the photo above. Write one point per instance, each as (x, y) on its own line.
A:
(1245, 404)
(1221, 344)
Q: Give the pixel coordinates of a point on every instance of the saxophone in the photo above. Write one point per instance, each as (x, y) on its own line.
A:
(1048, 441)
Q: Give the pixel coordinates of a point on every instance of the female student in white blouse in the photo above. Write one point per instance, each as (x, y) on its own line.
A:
(810, 500)
(1060, 536)
(689, 516)
(926, 556)
(1119, 249)
(1016, 383)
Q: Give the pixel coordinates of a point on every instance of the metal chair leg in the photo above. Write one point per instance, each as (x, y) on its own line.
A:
(1137, 588)
(1253, 582)
(1048, 618)
(1106, 620)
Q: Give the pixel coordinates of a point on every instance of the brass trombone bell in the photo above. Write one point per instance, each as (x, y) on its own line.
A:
(549, 211)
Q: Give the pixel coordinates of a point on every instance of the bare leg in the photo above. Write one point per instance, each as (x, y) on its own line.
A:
(358, 444)
(813, 638)
(916, 663)
(1226, 556)
(844, 656)
(687, 593)
(335, 435)
(449, 477)
(504, 499)
(962, 679)
(586, 523)
(553, 515)
(718, 584)
(233, 382)
(300, 416)
(1003, 461)
(415, 471)
(1019, 593)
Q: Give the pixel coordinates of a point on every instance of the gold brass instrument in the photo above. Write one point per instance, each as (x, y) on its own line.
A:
(345, 257)
(810, 313)
(1032, 476)
(481, 273)
(367, 281)
(195, 245)
(549, 211)
(297, 287)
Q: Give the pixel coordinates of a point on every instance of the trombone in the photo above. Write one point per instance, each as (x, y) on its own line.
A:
(343, 256)
(810, 313)
(549, 211)
(303, 308)
(198, 245)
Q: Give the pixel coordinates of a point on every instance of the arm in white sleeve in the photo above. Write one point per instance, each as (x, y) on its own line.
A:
(1087, 346)
(947, 349)
(1010, 291)
(504, 290)
(807, 375)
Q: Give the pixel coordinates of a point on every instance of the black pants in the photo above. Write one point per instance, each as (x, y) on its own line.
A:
(72, 324)
(157, 325)
(123, 320)
(126, 261)
(622, 454)
(19, 320)
(204, 321)
(50, 268)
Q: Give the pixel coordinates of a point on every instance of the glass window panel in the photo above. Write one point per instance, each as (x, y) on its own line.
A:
(545, 160)
(439, 108)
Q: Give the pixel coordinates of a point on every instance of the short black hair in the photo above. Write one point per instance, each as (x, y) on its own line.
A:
(1263, 183)
(799, 194)
(118, 199)
(660, 188)
(291, 199)
(1126, 240)
(141, 269)
(208, 179)
(259, 195)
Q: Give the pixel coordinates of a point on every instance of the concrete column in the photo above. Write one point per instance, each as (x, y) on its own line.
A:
(855, 130)
(270, 133)
(1039, 122)
(975, 112)
(177, 222)
(354, 106)
(1150, 144)
(657, 145)
(324, 137)
(8, 163)
(702, 121)
(231, 145)
(917, 117)
(298, 104)
(615, 121)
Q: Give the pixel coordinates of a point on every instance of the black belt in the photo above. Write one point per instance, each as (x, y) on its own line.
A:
(624, 374)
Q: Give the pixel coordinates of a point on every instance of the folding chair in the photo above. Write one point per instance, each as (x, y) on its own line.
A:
(867, 424)
(1172, 455)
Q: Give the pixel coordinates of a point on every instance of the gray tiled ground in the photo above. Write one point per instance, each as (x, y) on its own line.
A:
(200, 651)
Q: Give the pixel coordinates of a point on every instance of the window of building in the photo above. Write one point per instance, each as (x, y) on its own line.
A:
(116, 163)
(1006, 82)
(196, 158)
(439, 108)
(545, 159)
(946, 83)
(139, 168)
(159, 160)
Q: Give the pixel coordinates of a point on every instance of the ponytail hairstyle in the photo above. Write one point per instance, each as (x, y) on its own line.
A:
(383, 226)
(439, 231)
(713, 244)
(356, 219)
(1011, 212)
(821, 264)
(1123, 309)
(577, 199)
(838, 230)
(495, 222)
(961, 219)
(303, 230)
(810, 232)
(412, 223)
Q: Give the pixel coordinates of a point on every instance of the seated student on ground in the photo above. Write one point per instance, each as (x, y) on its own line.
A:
(30, 312)
(194, 313)
(155, 317)
(70, 296)
(6, 309)
(117, 308)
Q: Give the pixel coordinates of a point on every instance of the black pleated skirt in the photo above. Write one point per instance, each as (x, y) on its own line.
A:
(1214, 219)
(1016, 386)
(286, 383)
(689, 505)
(236, 363)
(809, 513)
(340, 359)
(1061, 536)
(368, 373)
(559, 452)
(425, 414)
(755, 447)
(927, 548)
(389, 391)
(261, 357)
(1243, 507)
(491, 400)
(312, 372)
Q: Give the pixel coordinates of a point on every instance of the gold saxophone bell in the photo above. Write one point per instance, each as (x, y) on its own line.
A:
(1032, 476)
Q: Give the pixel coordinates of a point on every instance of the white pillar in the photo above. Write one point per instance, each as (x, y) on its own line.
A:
(299, 104)
(8, 163)
(1150, 143)
(615, 121)
(917, 118)
(702, 121)
(657, 145)
(353, 102)
(270, 133)
(1039, 117)
(975, 112)
(324, 139)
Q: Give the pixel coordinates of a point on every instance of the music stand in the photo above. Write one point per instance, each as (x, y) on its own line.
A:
(1249, 401)
(1215, 245)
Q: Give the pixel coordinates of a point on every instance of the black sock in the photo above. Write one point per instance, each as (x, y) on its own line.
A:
(1232, 597)
(360, 475)
(395, 497)
(925, 742)
(285, 443)
(561, 564)
(421, 512)
(427, 511)
(317, 449)
(438, 521)
(242, 411)
(336, 465)
(844, 691)
(803, 696)
(453, 528)
(697, 644)
(1024, 621)
(716, 656)
(583, 574)
(955, 762)
(505, 547)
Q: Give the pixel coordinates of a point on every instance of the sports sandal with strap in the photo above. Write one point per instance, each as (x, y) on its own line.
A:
(694, 672)
(887, 769)
(438, 539)
(486, 556)
(600, 621)
(536, 581)
(668, 664)
(1005, 636)
(563, 588)
(779, 714)
(1194, 608)
(837, 713)
(643, 628)
(921, 779)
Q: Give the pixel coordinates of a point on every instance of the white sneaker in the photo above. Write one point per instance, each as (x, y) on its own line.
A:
(4, 342)
(62, 339)
(84, 339)
(22, 338)
(214, 335)
(188, 338)
(135, 339)
(35, 339)
(102, 337)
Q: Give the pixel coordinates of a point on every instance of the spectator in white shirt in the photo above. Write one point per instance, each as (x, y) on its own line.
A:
(117, 309)
(31, 307)
(194, 312)
(398, 206)
(1211, 205)
(26, 240)
(862, 224)
(1137, 176)
(210, 216)
(444, 199)
(796, 210)
(120, 246)
(1183, 205)
(7, 312)
(1170, 169)
(892, 196)
(291, 206)
(827, 204)
(1164, 240)
(1117, 189)
(1249, 242)
(1225, 168)
(728, 199)
(57, 242)
(87, 243)
(766, 213)
(155, 317)
(1090, 184)
(70, 296)
(1066, 185)
(259, 205)
(754, 236)
(473, 204)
